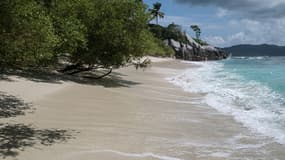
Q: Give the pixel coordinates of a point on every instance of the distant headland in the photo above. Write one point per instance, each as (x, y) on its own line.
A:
(256, 50)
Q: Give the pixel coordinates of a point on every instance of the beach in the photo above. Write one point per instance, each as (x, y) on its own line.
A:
(133, 114)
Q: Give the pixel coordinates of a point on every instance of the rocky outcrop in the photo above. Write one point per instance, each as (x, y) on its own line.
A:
(195, 52)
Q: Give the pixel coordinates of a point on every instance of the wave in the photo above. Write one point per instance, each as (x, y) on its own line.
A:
(254, 105)
(252, 58)
(141, 155)
(239, 57)
(125, 154)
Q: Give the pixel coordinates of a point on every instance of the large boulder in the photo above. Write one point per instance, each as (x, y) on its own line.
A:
(192, 42)
(194, 51)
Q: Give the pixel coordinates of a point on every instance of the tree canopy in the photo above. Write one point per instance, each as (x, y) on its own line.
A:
(116, 33)
(155, 12)
(26, 33)
(172, 31)
(197, 30)
(103, 33)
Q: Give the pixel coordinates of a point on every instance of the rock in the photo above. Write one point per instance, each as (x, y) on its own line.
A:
(210, 48)
(195, 52)
(175, 45)
(192, 42)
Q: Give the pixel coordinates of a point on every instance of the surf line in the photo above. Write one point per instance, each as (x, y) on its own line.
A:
(138, 155)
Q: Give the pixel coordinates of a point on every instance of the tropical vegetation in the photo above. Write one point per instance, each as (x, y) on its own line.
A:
(197, 31)
(88, 34)
(155, 12)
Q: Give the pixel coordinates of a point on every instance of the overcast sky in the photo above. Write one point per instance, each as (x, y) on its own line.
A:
(229, 22)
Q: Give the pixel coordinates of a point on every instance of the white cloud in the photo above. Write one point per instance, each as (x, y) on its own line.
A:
(267, 31)
(212, 26)
(222, 13)
(215, 40)
(247, 31)
(249, 22)
(254, 9)
(252, 32)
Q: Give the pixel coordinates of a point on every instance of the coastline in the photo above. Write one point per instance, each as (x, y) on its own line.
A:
(134, 115)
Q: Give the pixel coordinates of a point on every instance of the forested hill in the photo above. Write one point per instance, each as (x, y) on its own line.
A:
(256, 50)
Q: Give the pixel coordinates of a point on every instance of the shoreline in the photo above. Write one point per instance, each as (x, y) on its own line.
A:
(249, 101)
(134, 115)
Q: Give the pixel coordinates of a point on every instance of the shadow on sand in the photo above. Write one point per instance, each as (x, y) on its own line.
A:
(112, 81)
(17, 137)
(11, 106)
(5, 78)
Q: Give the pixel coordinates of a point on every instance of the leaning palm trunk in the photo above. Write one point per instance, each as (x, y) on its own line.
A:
(156, 20)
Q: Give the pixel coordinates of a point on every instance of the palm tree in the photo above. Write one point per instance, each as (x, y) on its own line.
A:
(197, 31)
(155, 11)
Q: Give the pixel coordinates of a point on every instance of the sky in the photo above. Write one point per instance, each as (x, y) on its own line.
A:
(226, 23)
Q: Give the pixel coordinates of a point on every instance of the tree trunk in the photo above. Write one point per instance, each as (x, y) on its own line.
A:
(69, 68)
(80, 70)
(77, 68)
(157, 20)
(100, 77)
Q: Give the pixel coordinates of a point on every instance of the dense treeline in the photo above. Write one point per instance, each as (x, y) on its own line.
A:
(92, 34)
(27, 35)
(172, 31)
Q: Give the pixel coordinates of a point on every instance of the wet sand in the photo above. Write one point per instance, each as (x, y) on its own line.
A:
(135, 115)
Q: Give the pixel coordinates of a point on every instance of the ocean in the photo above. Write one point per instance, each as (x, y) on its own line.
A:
(250, 89)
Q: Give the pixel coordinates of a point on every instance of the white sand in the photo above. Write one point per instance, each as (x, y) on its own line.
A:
(133, 116)
(29, 90)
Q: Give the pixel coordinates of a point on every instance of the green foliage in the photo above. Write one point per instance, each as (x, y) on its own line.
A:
(197, 31)
(94, 33)
(105, 33)
(68, 26)
(158, 31)
(116, 33)
(173, 31)
(157, 47)
(26, 34)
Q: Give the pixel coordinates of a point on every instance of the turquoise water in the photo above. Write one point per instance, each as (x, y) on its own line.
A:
(251, 90)
(269, 71)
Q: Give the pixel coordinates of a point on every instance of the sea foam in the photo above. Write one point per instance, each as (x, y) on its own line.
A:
(253, 104)
(133, 155)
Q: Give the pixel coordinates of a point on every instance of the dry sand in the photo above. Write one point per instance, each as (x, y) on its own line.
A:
(134, 115)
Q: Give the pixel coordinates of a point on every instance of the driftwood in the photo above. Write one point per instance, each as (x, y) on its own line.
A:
(144, 64)
(78, 68)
